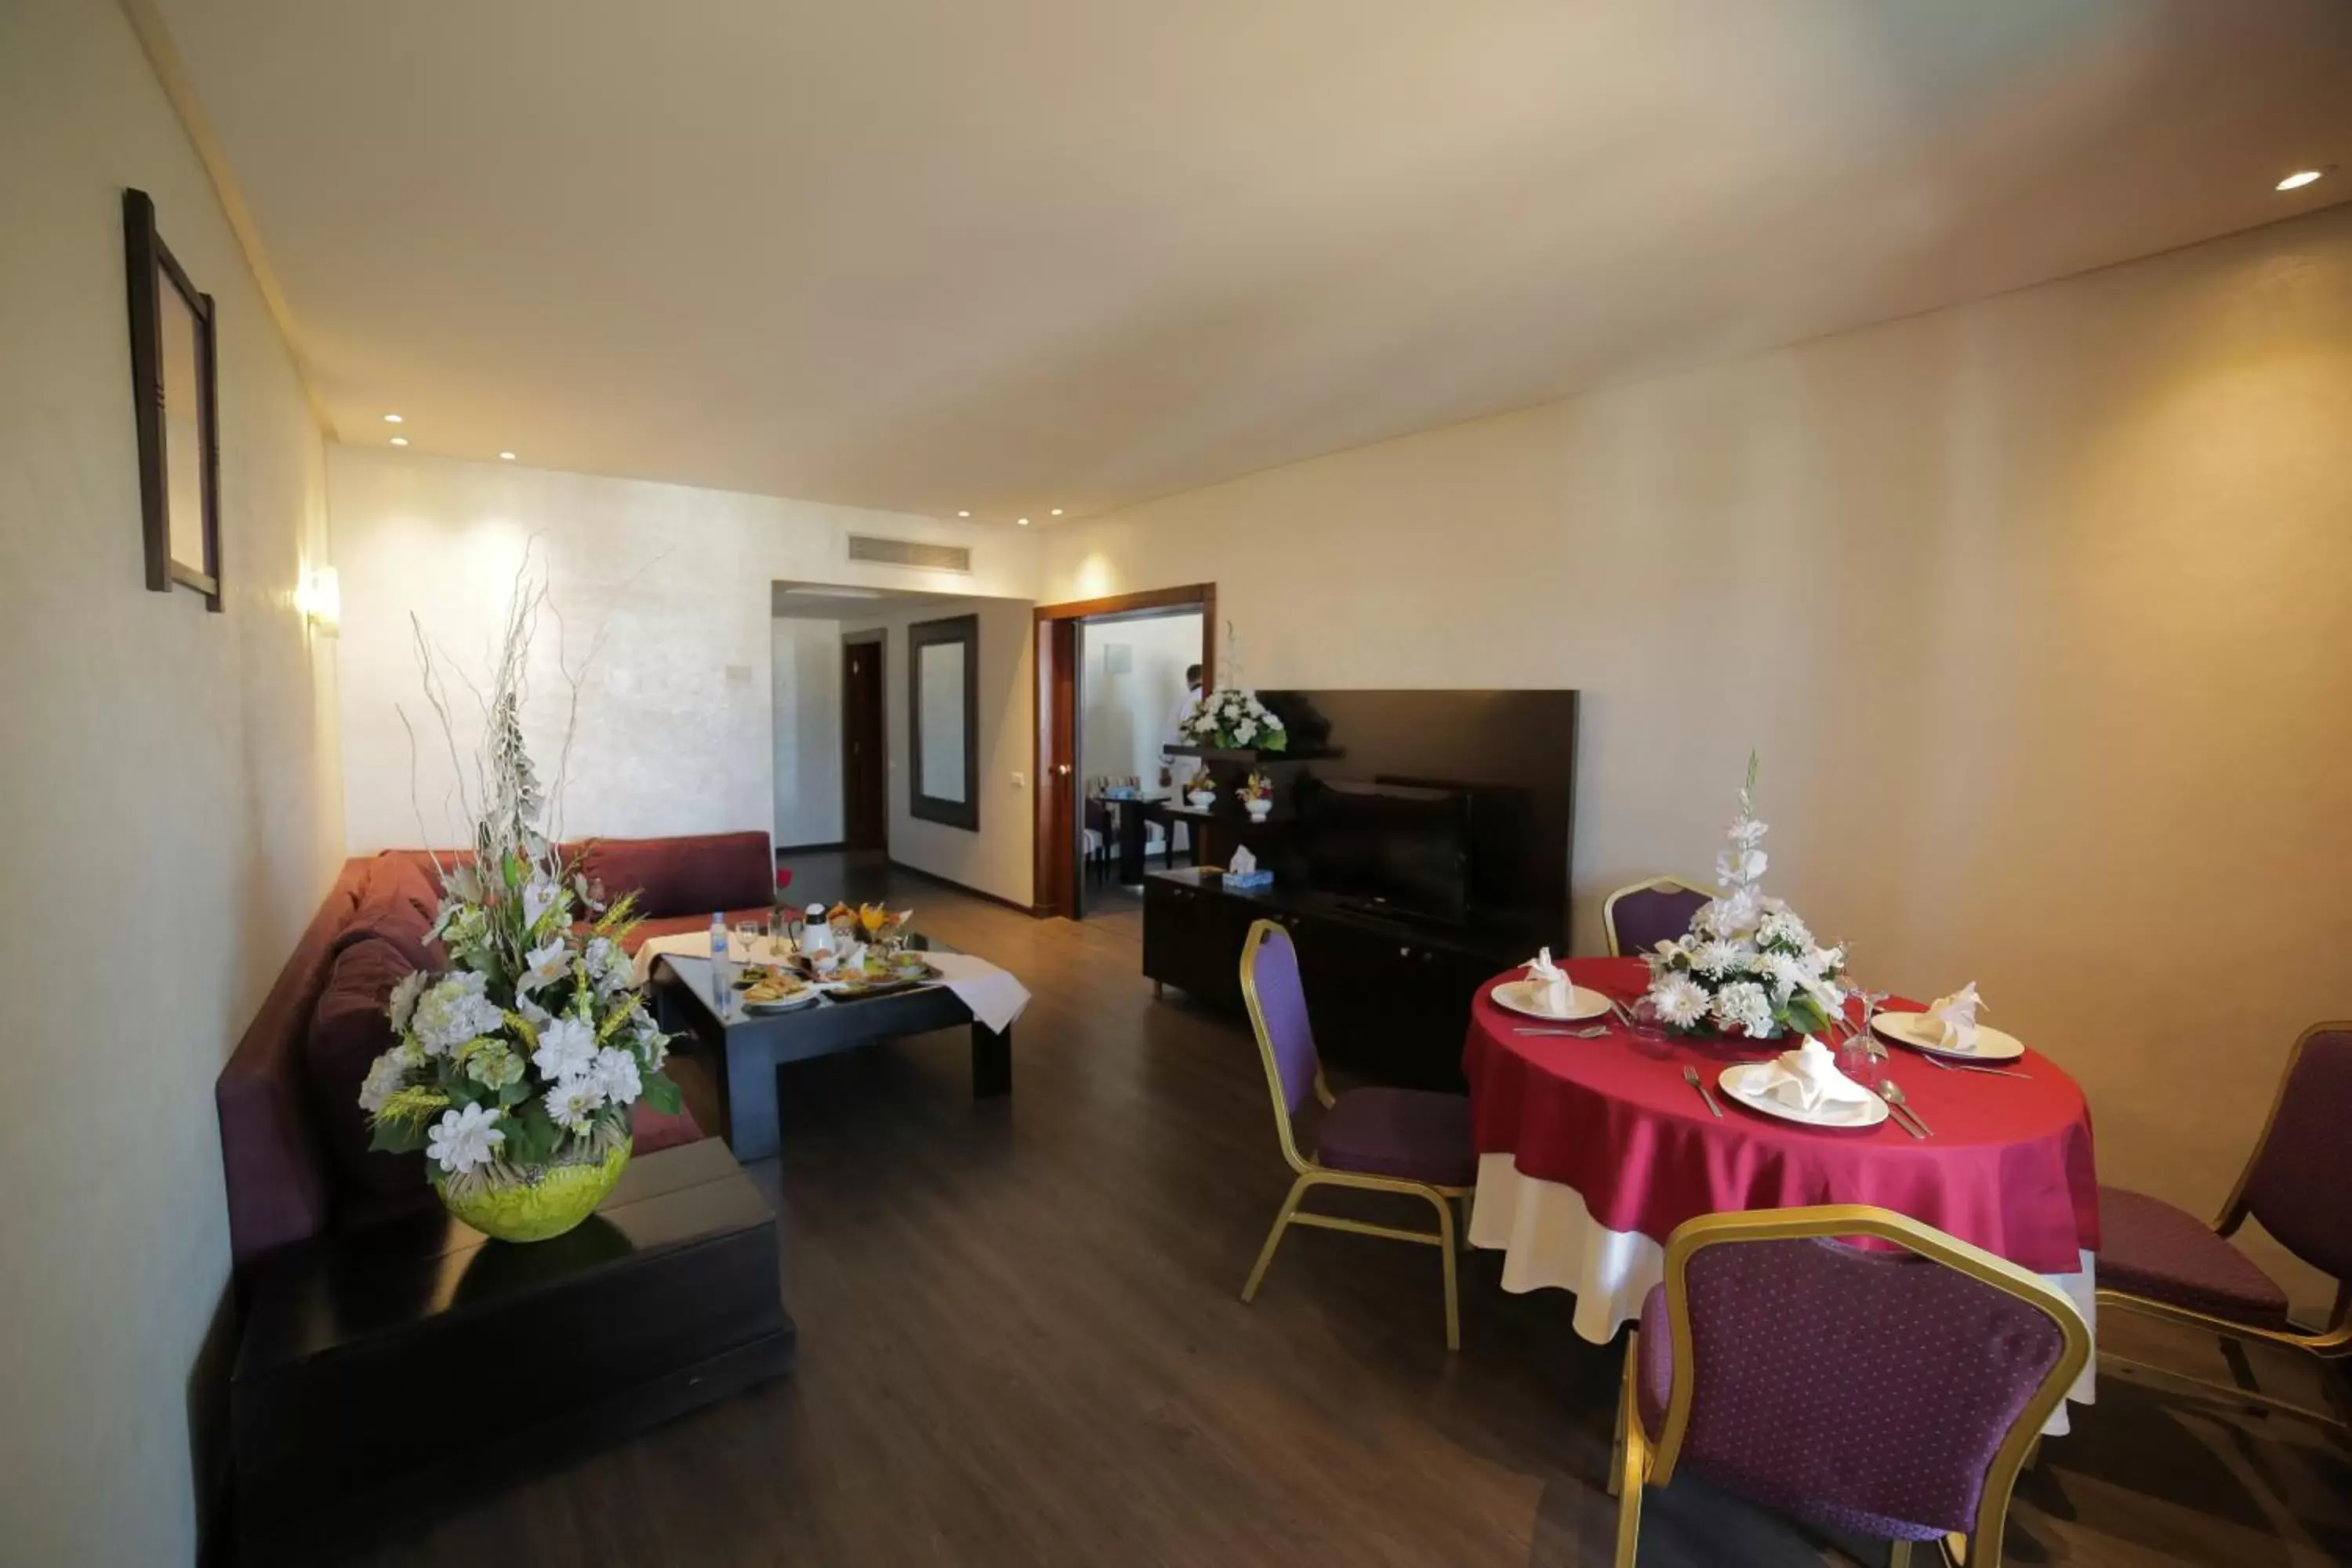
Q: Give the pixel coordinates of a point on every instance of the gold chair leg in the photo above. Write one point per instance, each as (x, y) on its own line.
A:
(1624, 1407)
(1899, 1554)
(1631, 1466)
(1446, 1249)
(1274, 1238)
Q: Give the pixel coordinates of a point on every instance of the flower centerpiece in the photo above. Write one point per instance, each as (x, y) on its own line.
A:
(1231, 718)
(1748, 965)
(515, 1068)
(1256, 795)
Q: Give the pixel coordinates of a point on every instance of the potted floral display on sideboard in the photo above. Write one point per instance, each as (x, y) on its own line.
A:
(515, 1068)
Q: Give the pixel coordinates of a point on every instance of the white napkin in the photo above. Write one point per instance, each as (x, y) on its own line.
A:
(1806, 1078)
(1952, 1020)
(1241, 862)
(1551, 985)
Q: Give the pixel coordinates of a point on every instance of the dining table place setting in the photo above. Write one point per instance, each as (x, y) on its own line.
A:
(1742, 1067)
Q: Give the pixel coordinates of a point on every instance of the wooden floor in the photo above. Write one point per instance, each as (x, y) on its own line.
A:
(1020, 1343)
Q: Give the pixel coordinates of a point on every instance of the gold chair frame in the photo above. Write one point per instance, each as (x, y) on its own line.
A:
(1639, 1461)
(1311, 1174)
(2331, 1343)
(1655, 884)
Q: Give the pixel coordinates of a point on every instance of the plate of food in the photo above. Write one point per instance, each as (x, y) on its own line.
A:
(774, 990)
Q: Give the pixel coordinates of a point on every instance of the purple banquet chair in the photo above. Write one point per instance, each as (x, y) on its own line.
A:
(2165, 1262)
(1640, 917)
(1402, 1141)
(1890, 1393)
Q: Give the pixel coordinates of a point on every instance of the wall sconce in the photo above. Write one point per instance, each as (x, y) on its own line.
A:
(321, 600)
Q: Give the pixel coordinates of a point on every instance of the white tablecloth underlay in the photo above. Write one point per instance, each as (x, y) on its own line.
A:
(1550, 1241)
(994, 995)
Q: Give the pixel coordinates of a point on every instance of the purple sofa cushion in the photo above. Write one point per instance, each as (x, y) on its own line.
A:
(349, 1029)
(697, 874)
(2147, 1248)
(1406, 1132)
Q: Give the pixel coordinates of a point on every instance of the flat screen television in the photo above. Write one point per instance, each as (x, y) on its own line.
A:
(1389, 848)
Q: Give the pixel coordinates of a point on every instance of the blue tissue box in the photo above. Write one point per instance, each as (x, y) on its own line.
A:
(1261, 877)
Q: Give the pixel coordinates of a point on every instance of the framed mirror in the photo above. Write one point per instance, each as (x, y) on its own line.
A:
(173, 382)
(944, 721)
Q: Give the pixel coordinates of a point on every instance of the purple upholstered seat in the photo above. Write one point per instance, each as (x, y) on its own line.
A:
(2295, 1185)
(1406, 1132)
(2147, 1248)
(1367, 1138)
(1866, 1390)
(1640, 918)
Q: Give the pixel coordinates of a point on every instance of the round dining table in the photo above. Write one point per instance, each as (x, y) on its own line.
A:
(1591, 1151)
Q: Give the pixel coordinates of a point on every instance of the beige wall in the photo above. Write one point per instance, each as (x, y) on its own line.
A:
(2039, 611)
(998, 857)
(677, 721)
(169, 809)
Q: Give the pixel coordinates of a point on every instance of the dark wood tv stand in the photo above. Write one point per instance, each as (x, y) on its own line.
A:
(1389, 999)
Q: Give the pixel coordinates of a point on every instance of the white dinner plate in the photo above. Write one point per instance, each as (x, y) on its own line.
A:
(1992, 1046)
(784, 1005)
(1527, 996)
(1736, 1076)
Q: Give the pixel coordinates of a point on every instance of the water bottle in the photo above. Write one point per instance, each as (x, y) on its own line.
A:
(722, 982)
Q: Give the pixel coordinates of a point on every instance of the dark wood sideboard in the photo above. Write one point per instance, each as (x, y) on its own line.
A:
(1388, 1000)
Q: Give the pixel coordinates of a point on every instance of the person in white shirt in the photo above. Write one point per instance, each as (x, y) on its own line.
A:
(1182, 768)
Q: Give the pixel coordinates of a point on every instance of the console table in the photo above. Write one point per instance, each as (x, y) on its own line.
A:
(385, 1370)
(1388, 1000)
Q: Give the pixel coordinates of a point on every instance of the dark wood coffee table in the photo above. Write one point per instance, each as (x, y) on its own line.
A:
(414, 1362)
(749, 1047)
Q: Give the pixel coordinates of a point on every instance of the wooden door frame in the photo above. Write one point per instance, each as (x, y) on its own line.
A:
(879, 640)
(1055, 875)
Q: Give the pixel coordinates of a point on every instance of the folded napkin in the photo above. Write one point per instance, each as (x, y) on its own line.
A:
(1952, 1020)
(1806, 1078)
(1552, 987)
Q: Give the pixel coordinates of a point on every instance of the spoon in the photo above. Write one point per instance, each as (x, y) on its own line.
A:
(1591, 1034)
(1895, 1097)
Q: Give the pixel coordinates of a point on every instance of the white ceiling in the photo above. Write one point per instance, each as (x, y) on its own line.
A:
(933, 254)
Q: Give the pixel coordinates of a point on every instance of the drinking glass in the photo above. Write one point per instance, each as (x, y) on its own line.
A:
(1648, 1024)
(747, 936)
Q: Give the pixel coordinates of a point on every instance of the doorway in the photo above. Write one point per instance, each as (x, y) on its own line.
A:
(865, 762)
(1077, 848)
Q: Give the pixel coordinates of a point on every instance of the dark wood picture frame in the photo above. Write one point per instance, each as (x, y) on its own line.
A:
(962, 630)
(149, 268)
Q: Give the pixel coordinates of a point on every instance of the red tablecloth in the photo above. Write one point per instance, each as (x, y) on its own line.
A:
(2009, 1168)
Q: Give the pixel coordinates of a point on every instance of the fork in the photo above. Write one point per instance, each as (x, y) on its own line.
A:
(1591, 1034)
(1690, 1077)
(1966, 1067)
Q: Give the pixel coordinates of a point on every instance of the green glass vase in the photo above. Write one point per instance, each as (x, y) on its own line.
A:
(546, 1203)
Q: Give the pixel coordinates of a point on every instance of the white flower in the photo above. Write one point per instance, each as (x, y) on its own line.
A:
(1680, 1000)
(569, 1105)
(540, 895)
(610, 966)
(614, 1075)
(384, 1079)
(1781, 928)
(532, 1011)
(453, 1010)
(1787, 972)
(1246, 731)
(1739, 868)
(1747, 833)
(1744, 1007)
(547, 963)
(465, 1138)
(652, 1043)
(566, 1048)
(1828, 997)
(1716, 959)
(403, 998)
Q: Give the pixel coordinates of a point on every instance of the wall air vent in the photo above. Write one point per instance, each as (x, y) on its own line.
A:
(879, 552)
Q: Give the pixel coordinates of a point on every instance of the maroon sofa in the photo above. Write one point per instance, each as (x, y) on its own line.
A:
(293, 1139)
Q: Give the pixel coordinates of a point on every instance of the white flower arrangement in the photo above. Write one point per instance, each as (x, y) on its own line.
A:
(1748, 965)
(1234, 719)
(529, 1050)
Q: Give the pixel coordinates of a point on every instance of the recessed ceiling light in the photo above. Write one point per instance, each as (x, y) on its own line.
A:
(1024, 521)
(400, 440)
(507, 457)
(392, 418)
(2300, 178)
(1057, 511)
(963, 514)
